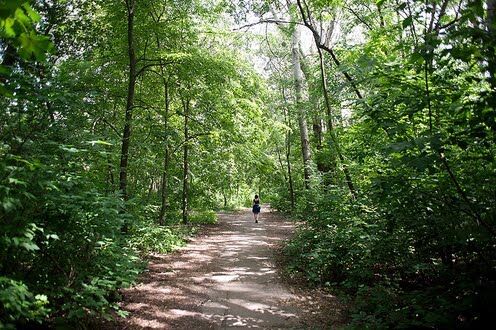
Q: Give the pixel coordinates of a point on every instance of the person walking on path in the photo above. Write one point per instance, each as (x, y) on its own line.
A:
(256, 208)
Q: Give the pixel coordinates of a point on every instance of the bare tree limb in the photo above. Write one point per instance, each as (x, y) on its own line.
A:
(265, 21)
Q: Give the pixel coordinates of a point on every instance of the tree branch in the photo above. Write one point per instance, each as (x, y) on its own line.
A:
(191, 137)
(265, 21)
(319, 44)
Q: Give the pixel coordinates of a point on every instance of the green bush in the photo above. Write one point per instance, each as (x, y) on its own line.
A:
(114, 267)
(63, 240)
(152, 238)
(396, 275)
(19, 305)
(203, 218)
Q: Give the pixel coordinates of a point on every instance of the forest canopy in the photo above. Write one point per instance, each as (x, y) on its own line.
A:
(370, 122)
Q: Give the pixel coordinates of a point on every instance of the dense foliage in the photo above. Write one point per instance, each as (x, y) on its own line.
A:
(400, 213)
(72, 227)
(124, 122)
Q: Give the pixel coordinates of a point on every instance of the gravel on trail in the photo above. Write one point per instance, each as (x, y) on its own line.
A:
(226, 278)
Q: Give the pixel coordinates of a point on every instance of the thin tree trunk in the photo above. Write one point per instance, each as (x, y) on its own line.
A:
(281, 164)
(302, 122)
(150, 189)
(305, 13)
(317, 131)
(126, 136)
(290, 176)
(185, 162)
(164, 192)
(287, 141)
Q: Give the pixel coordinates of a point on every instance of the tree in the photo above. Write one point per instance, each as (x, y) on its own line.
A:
(302, 122)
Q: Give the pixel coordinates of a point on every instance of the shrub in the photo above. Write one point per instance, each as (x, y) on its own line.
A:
(19, 305)
(203, 218)
(152, 238)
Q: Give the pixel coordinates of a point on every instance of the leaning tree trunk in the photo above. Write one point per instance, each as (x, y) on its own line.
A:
(302, 122)
(126, 136)
(185, 162)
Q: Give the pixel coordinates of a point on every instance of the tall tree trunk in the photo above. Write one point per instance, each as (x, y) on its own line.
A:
(316, 118)
(317, 131)
(287, 140)
(330, 124)
(305, 13)
(302, 122)
(164, 187)
(185, 162)
(126, 136)
(290, 176)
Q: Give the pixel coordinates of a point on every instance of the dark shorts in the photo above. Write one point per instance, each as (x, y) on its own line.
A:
(256, 208)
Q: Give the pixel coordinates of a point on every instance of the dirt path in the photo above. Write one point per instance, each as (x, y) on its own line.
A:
(226, 279)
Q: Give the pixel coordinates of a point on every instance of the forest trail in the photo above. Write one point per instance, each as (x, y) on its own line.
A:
(227, 279)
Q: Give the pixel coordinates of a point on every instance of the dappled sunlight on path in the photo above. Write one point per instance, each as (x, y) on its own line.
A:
(226, 279)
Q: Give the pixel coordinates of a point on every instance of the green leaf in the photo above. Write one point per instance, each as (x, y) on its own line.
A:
(8, 28)
(33, 45)
(30, 246)
(53, 236)
(407, 22)
(100, 142)
(416, 58)
(18, 182)
(33, 15)
(71, 150)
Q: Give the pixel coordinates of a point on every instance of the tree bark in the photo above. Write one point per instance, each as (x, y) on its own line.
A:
(302, 122)
(317, 128)
(287, 140)
(290, 176)
(126, 136)
(185, 162)
(317, 131)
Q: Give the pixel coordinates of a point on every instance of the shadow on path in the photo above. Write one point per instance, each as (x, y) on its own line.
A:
(224, 280)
